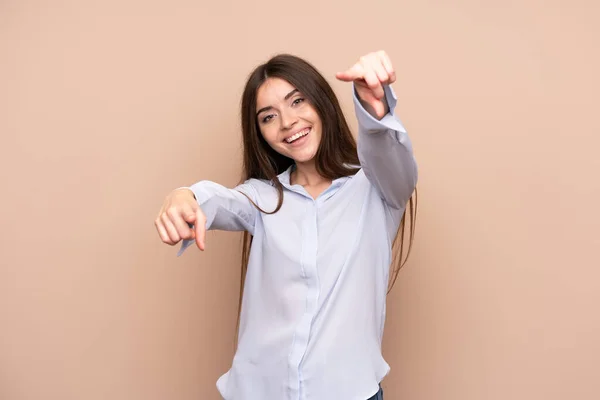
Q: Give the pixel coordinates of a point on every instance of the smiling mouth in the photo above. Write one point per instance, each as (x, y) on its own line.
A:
(297, 136)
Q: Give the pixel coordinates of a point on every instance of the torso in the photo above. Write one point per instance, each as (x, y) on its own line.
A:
(313, 309)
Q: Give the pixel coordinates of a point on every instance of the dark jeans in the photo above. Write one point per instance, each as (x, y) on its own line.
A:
(378, 395)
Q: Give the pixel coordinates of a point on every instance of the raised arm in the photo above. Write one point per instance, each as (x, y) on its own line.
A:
(384, 148)
(385, 153)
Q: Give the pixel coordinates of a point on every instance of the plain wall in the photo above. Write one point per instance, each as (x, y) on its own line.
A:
(107, 106)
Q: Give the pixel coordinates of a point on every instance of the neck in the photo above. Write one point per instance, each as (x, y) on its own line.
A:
(305, 174)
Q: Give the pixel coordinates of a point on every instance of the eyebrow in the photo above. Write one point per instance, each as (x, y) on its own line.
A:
(287, 96)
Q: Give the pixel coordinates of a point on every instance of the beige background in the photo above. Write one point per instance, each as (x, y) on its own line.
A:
(107, 106)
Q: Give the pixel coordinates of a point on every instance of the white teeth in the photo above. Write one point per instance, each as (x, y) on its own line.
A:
(298, 135)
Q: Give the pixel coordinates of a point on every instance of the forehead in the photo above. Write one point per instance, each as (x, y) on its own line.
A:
(272, 91)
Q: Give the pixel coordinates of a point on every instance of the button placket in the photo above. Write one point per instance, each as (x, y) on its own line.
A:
(309, 271)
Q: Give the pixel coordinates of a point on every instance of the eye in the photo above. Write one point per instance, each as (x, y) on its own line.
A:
(297, 101)
(267, 118)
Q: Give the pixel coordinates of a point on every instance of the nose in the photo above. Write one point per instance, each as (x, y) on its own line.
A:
(288, 119)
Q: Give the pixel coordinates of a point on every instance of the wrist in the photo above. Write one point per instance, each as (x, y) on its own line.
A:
(185, 188)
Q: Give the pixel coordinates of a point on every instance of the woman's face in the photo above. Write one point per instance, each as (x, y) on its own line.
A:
(287, 121)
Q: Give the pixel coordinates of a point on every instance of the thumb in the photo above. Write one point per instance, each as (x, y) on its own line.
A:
(379, 108)
(189, 217)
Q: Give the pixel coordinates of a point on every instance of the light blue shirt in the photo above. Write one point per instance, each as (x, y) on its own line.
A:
(313, 308)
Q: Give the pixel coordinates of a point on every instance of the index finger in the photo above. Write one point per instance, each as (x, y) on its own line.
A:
(200, 230)
(352, 74)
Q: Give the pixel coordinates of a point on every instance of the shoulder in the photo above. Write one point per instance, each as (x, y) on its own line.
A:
(261, 191)
(258, 185)
(358, 185)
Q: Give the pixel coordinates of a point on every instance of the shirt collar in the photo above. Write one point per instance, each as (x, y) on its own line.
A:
(284, 178)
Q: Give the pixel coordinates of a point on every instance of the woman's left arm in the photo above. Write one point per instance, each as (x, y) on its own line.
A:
(384, 148)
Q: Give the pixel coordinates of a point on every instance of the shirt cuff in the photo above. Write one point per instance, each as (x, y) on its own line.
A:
(389, 121)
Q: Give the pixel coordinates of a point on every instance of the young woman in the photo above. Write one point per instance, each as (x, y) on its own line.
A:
(323, 221)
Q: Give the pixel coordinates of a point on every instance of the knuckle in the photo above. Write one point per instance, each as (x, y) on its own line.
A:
(172, 211)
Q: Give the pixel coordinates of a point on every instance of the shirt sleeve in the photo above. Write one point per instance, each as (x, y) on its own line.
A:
(385, 153)
(225, 209)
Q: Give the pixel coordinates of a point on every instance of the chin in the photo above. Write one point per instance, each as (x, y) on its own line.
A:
(305, 158)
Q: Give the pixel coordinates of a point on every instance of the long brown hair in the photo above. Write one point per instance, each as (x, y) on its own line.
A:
(337, 154)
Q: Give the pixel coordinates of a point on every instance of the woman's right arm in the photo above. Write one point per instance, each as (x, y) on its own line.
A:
(187, 213)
